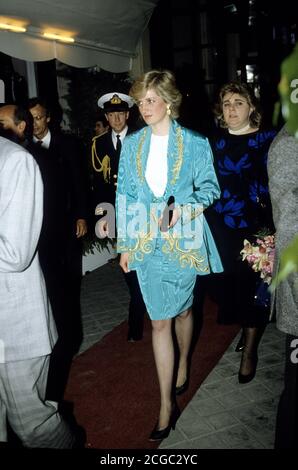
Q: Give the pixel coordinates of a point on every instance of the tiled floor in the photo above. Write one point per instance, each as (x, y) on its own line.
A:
(104, 299)
(227, 415)
(223, 414)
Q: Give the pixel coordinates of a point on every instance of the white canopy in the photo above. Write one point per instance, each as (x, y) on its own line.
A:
(106, 32)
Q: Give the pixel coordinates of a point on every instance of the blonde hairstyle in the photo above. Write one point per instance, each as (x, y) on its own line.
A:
(242, 90)
(163, 83)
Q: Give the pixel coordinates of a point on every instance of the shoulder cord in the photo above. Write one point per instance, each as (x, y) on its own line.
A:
(104, 165)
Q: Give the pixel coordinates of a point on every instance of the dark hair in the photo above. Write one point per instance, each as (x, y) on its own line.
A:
(8, 134)
(243, 90)
(41, 102)
(53, 110)
(101, 118)
(22, 114)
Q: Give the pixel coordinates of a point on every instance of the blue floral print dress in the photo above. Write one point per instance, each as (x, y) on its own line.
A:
(242, 210)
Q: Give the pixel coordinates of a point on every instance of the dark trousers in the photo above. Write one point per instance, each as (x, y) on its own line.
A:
(137, 308)
(63, 272)
(286, 433)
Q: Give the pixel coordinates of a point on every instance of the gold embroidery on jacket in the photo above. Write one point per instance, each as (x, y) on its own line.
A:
(189, 213)
(186, 258)
(139, 156)
(143, 246)
(176, 166)
(178, 163)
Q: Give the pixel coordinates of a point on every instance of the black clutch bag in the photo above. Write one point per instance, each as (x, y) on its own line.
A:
(167, 214)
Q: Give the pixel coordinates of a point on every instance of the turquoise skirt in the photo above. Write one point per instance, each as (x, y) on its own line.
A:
(167, 291)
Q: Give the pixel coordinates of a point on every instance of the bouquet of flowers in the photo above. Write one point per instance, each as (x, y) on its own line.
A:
(260, 255)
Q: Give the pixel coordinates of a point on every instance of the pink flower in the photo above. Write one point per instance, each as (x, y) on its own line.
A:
(260, 256)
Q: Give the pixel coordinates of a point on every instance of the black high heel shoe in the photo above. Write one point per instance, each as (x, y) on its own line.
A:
(182, 388)
(245, 378)
(160, 434)
(240, 344)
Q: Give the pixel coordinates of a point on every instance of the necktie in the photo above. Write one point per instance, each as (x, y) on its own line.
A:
(39, 143)
(118, 144)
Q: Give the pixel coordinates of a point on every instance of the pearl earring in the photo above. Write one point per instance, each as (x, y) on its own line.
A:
(168, 110)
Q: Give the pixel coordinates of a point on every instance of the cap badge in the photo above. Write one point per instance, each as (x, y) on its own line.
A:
(116, 100)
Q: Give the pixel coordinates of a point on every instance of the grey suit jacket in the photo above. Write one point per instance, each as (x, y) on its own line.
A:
(283, 187)
(26, 326)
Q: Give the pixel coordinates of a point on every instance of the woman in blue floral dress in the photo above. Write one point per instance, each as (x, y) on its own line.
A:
(240, 153)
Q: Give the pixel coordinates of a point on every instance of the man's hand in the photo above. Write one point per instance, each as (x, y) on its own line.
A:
(124, 262)
(81, 228)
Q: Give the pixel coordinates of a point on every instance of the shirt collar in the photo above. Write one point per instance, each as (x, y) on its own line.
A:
(122, 135)
(46, 140)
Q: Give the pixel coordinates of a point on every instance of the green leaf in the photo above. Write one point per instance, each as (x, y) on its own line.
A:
(288, 90)
(288, 263)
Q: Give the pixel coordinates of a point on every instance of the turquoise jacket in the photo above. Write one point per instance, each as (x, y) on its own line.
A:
(192, 182)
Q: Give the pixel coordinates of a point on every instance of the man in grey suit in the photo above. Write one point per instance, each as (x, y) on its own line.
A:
(27, 330)
(283, 187)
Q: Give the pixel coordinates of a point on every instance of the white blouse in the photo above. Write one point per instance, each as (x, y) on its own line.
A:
(157, 164)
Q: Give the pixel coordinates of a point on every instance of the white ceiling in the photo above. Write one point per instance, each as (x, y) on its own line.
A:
(106, 32)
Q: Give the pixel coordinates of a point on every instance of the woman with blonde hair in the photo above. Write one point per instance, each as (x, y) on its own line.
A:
(164, 165)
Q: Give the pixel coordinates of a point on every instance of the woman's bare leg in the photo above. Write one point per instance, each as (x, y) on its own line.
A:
(184, 332)
(163, 349)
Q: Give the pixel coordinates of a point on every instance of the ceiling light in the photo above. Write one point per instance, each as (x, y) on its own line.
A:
(58, 37)
(231, 8)
(14, 28)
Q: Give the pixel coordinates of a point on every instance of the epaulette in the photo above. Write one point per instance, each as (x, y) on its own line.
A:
(97, 136)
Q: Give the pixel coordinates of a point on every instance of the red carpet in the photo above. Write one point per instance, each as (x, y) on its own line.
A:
(114, 386)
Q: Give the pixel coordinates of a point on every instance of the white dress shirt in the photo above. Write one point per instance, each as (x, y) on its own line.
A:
(122, 134)
(157, 164)
(46, 140)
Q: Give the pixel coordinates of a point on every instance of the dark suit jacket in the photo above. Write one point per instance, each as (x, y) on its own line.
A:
(60, 252)
(104, 188)
(64, 178)
(52, 208)
(69, 156)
